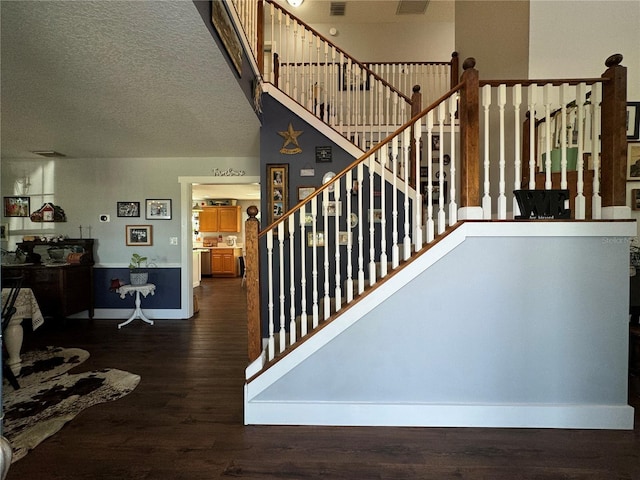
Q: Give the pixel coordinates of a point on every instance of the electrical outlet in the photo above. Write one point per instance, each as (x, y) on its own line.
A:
(104, 218)
(173, 240)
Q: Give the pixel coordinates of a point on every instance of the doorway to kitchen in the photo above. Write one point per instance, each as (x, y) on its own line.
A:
(202, 192)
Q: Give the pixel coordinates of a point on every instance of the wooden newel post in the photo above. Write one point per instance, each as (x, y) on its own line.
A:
(416, 108)
(455, 70)
(252, 268)
(469, 135)
(614, 135)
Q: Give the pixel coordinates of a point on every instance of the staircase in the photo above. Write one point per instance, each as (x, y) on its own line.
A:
(353, 310)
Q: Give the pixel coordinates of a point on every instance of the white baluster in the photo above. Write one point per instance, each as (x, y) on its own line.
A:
(349, 192)
(596, 98)
(441, 213)
(453, 204)
(372, 247)
(383, 155)
(580, 203)
(417, 135)
(564, 99)
(303, 273)
(325, 250)
(502, 163)
(338, 214)
(294, 66)
(406, 143)
(486, 199)
(546, 96)
(360, 176)
(533, 98)
(272, 341)
(430, 222)
(314, 254)
(292, 283)
(395, 249)
(287, 85)
(517, 101)
(283, 336)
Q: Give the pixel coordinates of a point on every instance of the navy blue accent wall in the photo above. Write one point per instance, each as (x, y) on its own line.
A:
(166, 280)
(276, 118)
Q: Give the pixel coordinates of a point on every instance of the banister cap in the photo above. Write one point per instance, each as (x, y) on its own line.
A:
(469, 63)
(613, 60)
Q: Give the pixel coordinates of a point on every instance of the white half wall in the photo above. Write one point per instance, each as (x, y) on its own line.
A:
(514, 325)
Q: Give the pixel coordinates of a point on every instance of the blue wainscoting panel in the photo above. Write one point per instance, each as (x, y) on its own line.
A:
(166, 280)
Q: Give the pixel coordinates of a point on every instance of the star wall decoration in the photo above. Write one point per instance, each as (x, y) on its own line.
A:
(290, 138)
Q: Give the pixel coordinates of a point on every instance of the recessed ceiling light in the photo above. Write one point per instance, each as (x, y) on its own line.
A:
(49, 153)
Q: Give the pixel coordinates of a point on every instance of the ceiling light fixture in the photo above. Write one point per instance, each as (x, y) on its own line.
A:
(295, 3)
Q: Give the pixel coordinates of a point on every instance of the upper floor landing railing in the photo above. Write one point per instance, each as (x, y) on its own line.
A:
(363, 102)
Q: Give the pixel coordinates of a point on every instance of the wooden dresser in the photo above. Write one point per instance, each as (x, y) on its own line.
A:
(61, 289)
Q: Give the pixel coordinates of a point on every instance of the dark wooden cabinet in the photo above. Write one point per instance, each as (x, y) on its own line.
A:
(60, 289)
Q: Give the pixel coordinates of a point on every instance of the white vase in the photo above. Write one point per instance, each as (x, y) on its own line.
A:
(138, 278)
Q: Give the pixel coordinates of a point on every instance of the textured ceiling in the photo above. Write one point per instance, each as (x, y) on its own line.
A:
(98, 79)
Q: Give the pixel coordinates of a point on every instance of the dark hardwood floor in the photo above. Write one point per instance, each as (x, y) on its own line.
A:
(184, 420)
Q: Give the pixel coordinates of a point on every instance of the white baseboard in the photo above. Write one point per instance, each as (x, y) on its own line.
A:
(611, 417)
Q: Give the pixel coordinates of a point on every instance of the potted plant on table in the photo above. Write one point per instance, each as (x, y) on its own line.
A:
(137, 270)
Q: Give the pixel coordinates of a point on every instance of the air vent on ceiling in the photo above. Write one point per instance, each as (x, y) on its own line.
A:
(48, 153)
(412, 7)
(337, 9)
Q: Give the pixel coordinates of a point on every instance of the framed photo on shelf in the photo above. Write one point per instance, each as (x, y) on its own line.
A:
(304, 192)
(128, 209)
(633, 121)
(633, 161)
(277, 190)
(17, 206)
(435, 192)
(158, 209)
(139, 235)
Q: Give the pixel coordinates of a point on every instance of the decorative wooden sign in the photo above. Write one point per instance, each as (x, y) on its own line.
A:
(542, 204)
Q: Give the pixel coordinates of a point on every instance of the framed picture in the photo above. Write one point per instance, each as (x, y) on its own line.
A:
(435, 143)
(633, 120)
(139, 235)
(435, 192)
(635, 199)
(332, 208)
(353, 77)
(222, 23)
(323, 154)
(343, 238)
(424, 171)
(277, 190)
(4, 231)
(304, 192)
(377, 215)
(158, 209)
(319, 239)
(16, 206)
(633, 161)
(128, 209)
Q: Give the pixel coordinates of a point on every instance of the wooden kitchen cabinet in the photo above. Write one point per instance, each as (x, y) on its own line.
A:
(220, 219)
(224, 262)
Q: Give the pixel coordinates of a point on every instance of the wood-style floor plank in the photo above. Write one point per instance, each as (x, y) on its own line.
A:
(184, 420)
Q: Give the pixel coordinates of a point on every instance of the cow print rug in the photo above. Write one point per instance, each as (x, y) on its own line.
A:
(49, 397)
